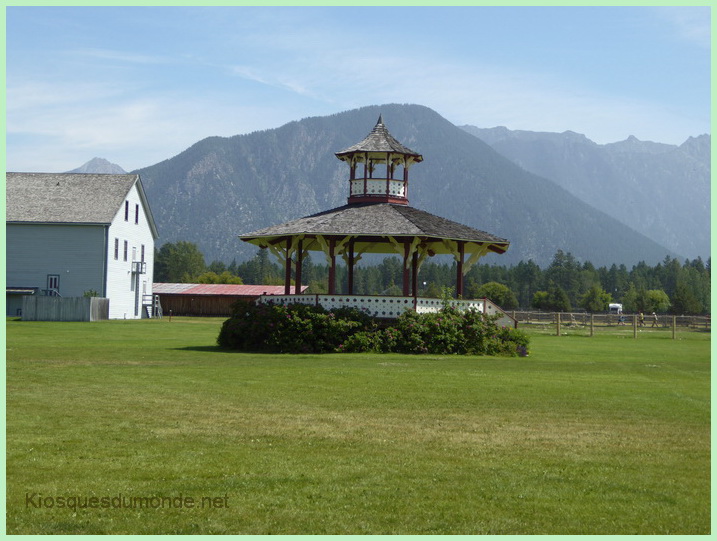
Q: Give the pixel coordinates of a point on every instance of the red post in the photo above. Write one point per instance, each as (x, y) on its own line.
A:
(388, 174)
(405, 178)
(299, 261)
(459, 275)
(351, 268)
(332, 267)
(287, 269)
(406, 282)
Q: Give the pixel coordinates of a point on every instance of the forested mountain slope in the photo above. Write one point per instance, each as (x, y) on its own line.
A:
(225, 186)
(660, 190)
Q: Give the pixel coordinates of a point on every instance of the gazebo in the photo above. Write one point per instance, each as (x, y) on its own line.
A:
(376, 219)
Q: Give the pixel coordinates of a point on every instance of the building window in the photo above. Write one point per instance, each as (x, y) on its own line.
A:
(126, 211)
(116, 249)
(125, 250)
(53, 283)
(142, 253)
(136, 214)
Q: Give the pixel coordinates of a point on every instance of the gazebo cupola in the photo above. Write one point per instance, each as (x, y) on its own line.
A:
(378, 168)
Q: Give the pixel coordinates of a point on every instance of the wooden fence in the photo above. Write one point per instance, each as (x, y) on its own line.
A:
(45, 308)
(591, 323)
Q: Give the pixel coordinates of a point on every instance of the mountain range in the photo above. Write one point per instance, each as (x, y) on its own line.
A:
(222, 187)
(660, 190)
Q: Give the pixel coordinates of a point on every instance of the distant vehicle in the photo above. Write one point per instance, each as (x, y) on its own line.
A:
(615, 308)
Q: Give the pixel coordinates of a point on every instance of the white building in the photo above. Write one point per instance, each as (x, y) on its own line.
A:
(79, 234)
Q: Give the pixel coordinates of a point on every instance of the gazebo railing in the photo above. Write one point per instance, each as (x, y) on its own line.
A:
(390, 307)
(378, 186)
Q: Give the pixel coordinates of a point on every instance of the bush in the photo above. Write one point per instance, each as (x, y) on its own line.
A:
(456, 332)
(295, 328)
(311, 329)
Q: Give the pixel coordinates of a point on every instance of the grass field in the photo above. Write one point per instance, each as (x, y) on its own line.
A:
(117, 427)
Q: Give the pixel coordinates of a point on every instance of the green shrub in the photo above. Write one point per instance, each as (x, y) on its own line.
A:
(363, 342)
(295, 328)
(311, 329)
(457, 332)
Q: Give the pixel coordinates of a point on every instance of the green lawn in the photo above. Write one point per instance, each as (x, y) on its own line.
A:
(602, 435)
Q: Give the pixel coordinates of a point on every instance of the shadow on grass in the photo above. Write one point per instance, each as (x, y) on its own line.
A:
(206, 349)
(218, 349)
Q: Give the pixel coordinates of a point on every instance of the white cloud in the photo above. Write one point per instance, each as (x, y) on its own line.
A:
(249, 73)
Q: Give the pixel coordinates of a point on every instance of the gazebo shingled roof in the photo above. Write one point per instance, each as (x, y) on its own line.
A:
(377, 219)
(380, 140)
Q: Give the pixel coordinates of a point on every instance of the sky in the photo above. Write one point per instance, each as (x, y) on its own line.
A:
(138, 85)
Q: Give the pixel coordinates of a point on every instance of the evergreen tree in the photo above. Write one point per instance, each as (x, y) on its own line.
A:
(563, 272)
(555, 299)
(526, 277)
(684, 301)
(558, 299)
(178, 262)
(217, 267)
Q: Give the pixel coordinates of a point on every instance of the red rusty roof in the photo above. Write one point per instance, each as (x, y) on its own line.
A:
(235, 290)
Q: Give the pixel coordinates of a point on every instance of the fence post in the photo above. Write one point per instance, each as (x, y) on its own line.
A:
(592, 324)
(557, 316)
(634, 326)
(674, 326)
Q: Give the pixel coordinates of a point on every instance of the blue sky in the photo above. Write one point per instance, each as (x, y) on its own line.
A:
(137, 85)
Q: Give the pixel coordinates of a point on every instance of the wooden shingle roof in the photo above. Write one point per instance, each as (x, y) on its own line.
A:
(69, 198)
(380, 140)
(379, 220)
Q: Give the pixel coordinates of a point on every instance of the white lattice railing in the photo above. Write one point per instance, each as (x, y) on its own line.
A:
(389, 306)
(375, 186)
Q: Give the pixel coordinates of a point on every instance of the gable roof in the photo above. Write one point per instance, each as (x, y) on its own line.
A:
(70, 198)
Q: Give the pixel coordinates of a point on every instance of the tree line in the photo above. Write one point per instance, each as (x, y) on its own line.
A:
(565, 285)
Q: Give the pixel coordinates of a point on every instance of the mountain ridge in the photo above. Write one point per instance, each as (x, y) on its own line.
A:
(658, 189)
(245, 182)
